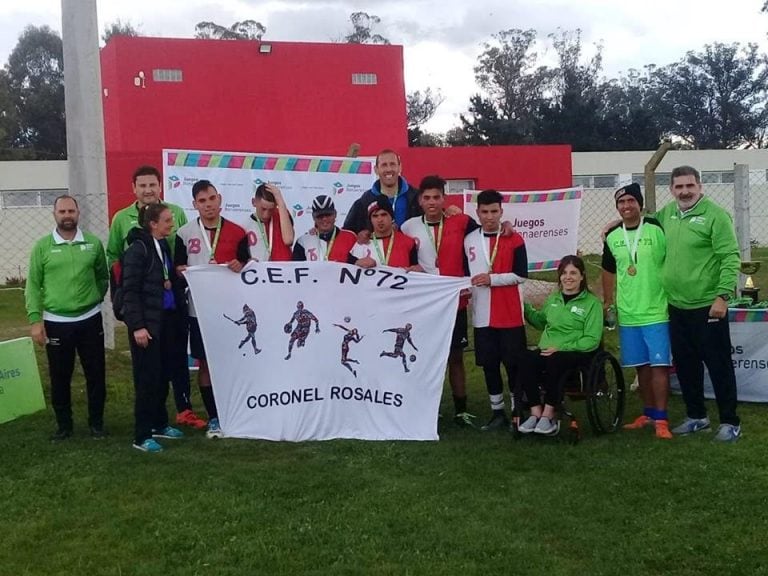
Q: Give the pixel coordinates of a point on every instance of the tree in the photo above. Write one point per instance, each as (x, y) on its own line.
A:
(35, 73)
(573, 111)
(513, 85)
(420, 108)
(362, 29)
(632, 119)
(118, 28)
(717, 98)
(245, 30)
(9, 125)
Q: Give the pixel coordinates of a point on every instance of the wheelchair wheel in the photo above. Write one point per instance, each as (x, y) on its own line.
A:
(605, 394)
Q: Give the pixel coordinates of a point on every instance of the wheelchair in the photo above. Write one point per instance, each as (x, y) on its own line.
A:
(600, 384)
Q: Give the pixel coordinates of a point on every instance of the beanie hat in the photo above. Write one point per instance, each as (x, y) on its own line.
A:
(629, 190)
(381, 203)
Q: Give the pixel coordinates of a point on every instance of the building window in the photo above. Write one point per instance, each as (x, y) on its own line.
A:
(583, 181)
(364, 79)
(30, 198)
(727, 177)
(167, 75)
(606, 180)
(638, 179)
(458, 186)
(710, 177)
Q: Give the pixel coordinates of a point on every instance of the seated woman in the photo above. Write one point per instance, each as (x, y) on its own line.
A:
(572, 323)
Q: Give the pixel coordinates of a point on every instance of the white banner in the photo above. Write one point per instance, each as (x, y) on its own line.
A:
(314, 351)
(549, 222)
(749, 354)
(237, 175)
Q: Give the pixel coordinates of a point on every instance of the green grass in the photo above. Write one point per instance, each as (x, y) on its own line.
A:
(472, 503)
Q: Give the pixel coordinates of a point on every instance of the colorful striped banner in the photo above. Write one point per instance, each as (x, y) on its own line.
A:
(531, 197)
(544, 265)
(748, 315)
(261, 162)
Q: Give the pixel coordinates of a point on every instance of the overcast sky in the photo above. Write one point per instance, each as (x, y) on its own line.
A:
(441, 38)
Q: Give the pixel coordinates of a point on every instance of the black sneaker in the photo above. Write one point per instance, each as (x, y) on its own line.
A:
(98, 432)
(61, 434)
(497, 422)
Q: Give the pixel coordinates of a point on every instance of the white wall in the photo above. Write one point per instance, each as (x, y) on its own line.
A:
(21, 227)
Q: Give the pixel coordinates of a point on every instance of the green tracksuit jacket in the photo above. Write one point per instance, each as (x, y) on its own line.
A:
(65, 278)
(128, 218)
(573, 327)
(702, 254)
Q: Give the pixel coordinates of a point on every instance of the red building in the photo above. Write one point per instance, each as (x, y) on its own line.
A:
(283, 97)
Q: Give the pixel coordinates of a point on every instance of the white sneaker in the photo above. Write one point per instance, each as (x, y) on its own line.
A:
(529, 425)
(547, 426)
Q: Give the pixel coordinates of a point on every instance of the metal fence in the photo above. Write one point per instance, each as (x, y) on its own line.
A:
(26, 215)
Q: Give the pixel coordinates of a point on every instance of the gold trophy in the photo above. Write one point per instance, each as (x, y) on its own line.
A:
(749, 290)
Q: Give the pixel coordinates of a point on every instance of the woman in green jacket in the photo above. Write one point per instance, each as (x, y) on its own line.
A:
(572, 323)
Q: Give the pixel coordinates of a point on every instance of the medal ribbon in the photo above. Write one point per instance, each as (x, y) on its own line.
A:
(490, 260)
(162, 259)
(382, 259)
(206, 238)
(633, 250)
(329, 245)
(436, 238)
(263, 234)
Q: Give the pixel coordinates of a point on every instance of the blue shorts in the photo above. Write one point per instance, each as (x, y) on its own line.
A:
(641, 345)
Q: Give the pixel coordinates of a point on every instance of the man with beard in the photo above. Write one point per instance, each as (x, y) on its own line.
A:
(66, 284)
(699, 276)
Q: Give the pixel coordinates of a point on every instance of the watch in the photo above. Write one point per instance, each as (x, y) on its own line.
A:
(726, 296)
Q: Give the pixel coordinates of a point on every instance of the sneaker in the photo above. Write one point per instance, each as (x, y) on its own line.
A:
(464, 419)
(547, 426)
(529, 425)
(189, 418)
(691, 426)
(727, 433)
(214, 430)
(639, 422)
(168, 432)
(98, 432)
(61, 434)
(662, 430)
(498, 421)
(149, 445)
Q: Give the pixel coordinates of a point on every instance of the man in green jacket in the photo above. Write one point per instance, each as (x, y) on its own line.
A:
(699, 276)
(146, 187)
(66, 284)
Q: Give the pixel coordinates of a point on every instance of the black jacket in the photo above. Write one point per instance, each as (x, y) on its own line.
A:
(357, 217)
(143, 283)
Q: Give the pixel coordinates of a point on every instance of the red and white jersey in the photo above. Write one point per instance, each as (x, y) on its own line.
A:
(497, 306)
(316, 248)
(194, 244)
(441, 252)
(262, 238)
(399, 257)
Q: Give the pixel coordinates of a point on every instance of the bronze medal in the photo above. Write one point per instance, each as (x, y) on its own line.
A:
(437, 263)
(631, 270)
(167, 284)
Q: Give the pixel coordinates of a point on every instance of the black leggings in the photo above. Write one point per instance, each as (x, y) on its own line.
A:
(548, 370)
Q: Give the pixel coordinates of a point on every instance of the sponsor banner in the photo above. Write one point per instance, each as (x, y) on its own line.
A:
(237, 175)
(20, 389)
(549, 222)
(749, 354)
(320, 350)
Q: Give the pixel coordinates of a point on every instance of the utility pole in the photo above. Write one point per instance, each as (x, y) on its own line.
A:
(85, 122)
